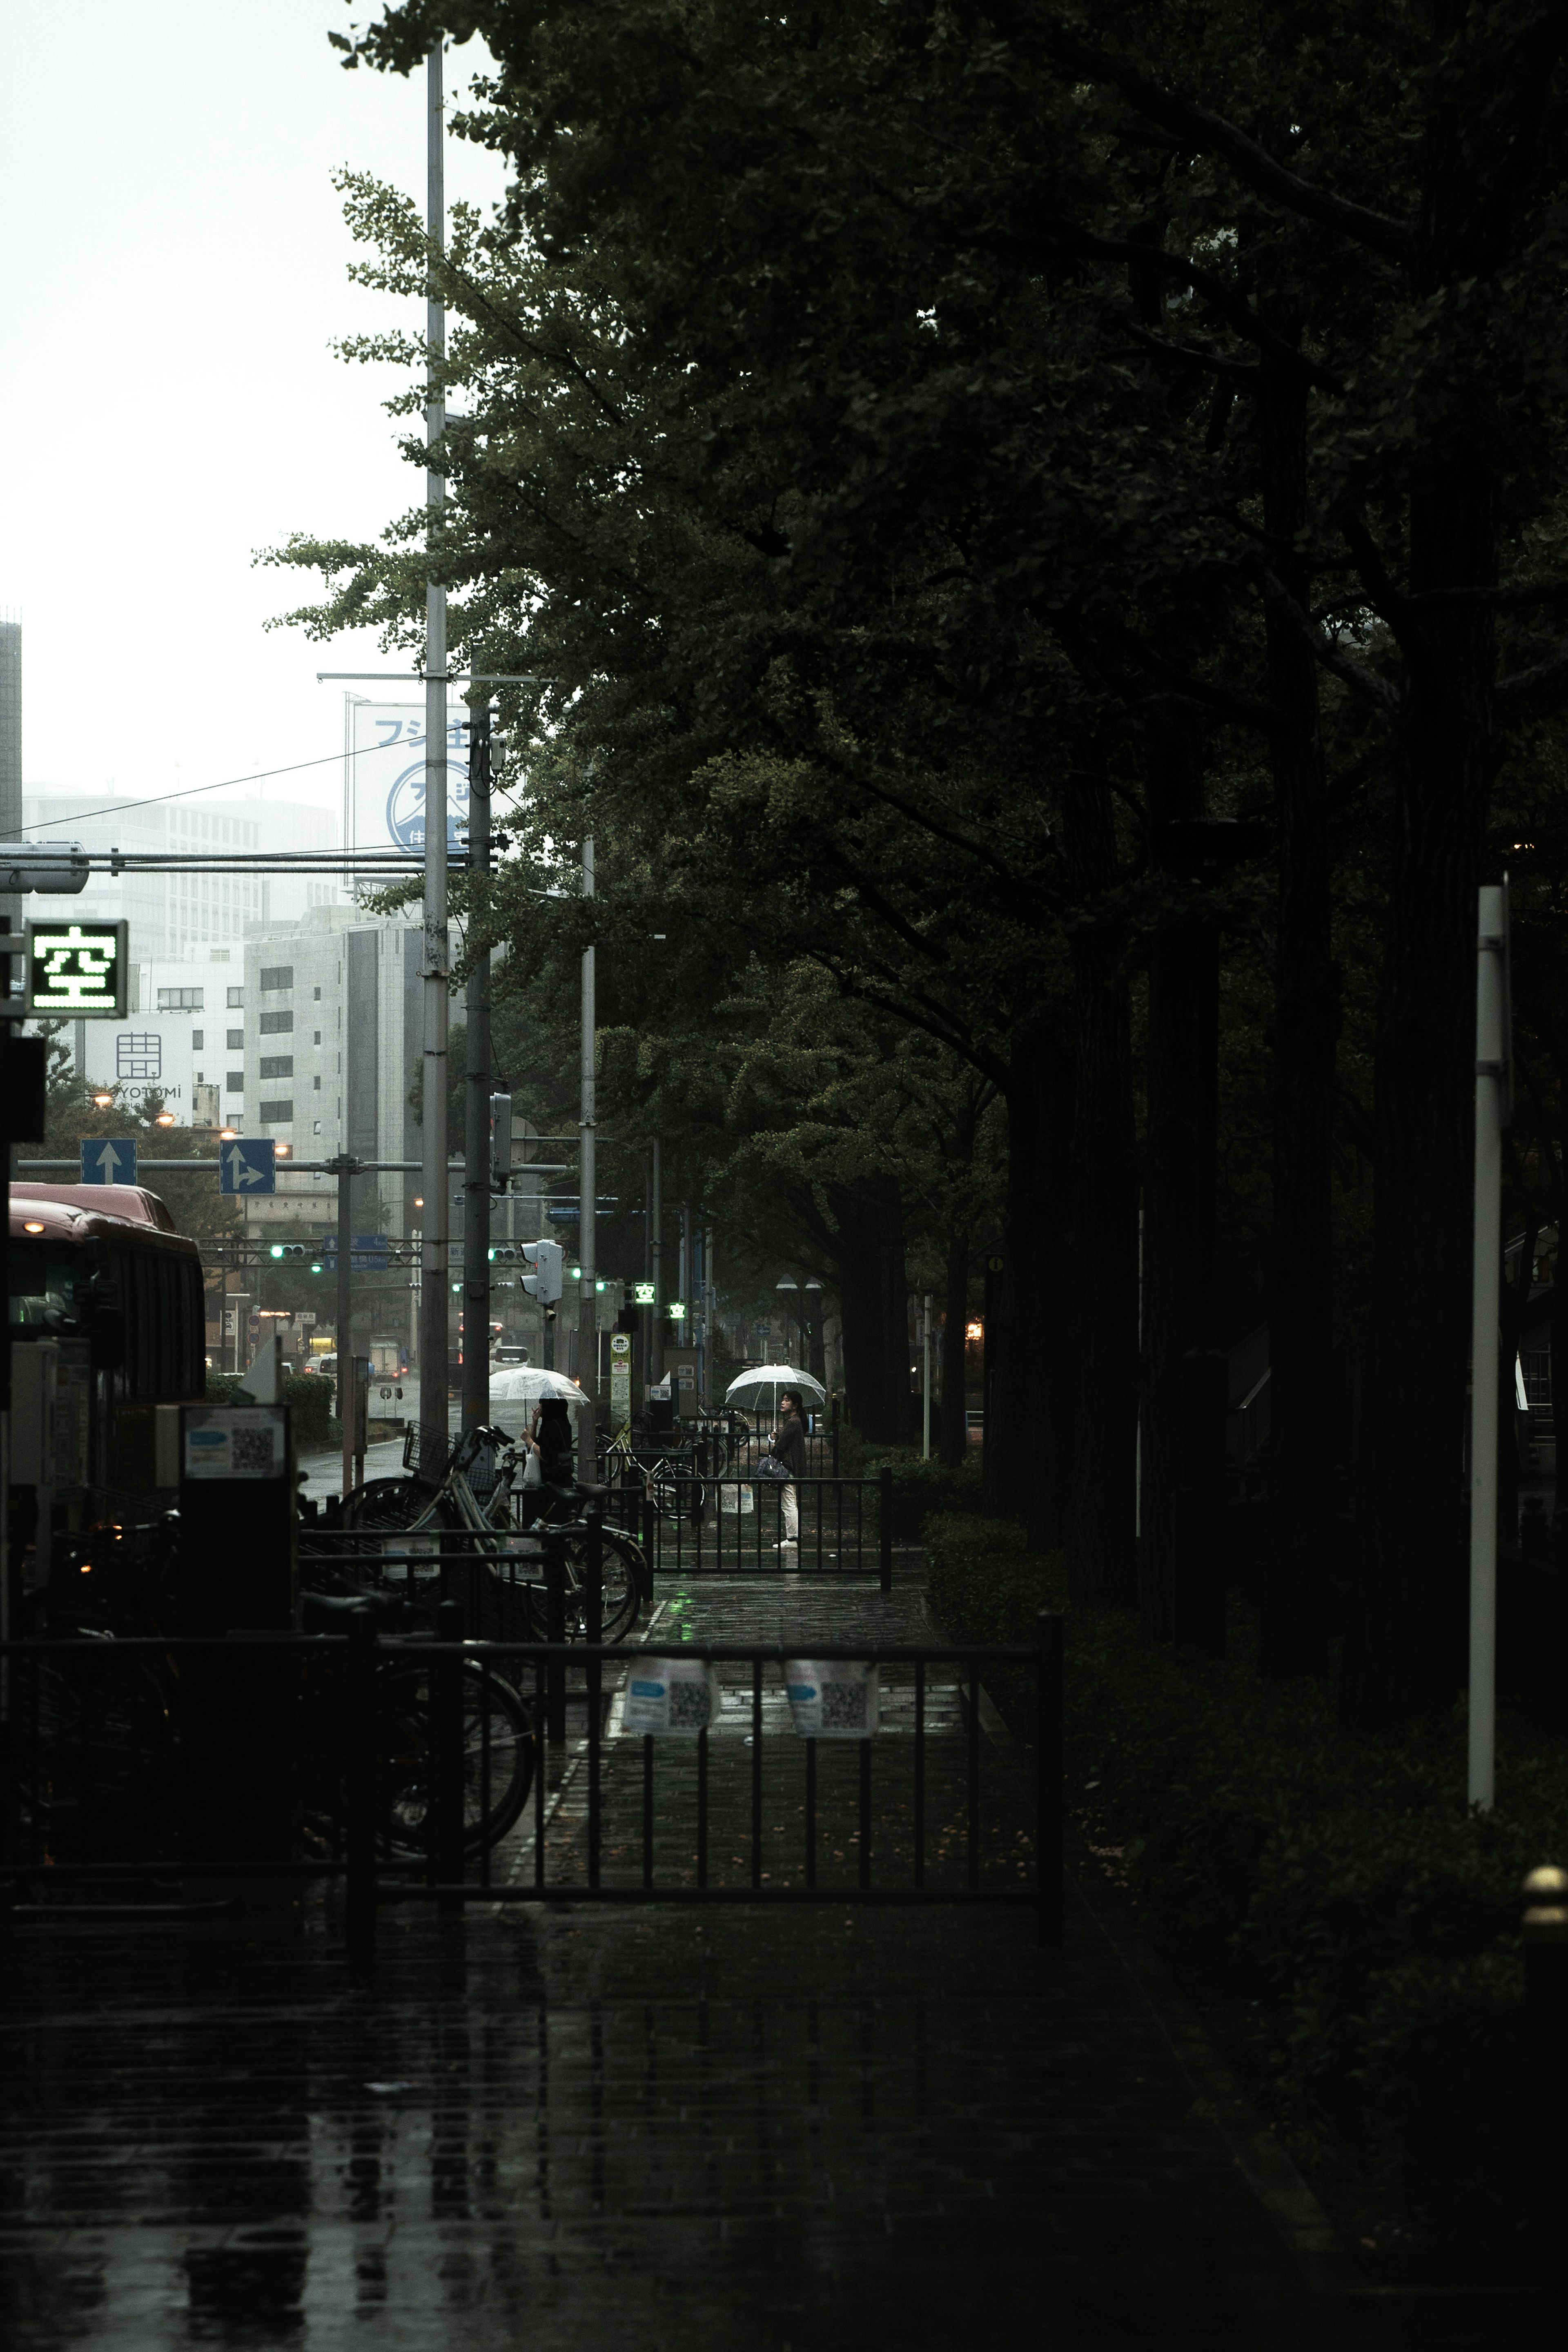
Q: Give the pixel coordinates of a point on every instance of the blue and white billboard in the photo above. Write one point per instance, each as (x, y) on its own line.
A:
(387, 770)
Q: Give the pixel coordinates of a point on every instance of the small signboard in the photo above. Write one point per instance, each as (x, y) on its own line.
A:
(77, 971)
(620, 1378)
(672, 1697)
(109, 1160)
(249, 1164)
(237, 1441)
(644, 1294)
(832, 1702)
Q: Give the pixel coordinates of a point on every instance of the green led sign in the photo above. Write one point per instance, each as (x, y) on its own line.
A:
(643, 1292)
(78, 971)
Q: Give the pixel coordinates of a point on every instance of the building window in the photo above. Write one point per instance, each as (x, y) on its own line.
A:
(198, 1040)
(235, 999)
(315, 1127)
(180, 1000)
(317, 994)
(235, 1083)
(277, 1065)
(317, 1037)
(316, 1083)
(236, 1041)
(277, 975)
(137, 1056)
(276, 1024)
(277, 1114)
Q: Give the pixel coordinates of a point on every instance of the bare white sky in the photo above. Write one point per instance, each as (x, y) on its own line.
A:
(176, 270)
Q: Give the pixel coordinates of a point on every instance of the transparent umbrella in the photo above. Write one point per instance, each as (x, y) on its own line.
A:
(757, 1390)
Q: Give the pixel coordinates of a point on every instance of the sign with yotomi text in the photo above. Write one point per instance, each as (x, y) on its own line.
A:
(676, 1698)
(832, 1701)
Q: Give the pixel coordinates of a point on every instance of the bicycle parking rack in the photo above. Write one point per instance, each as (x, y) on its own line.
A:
(732, 1527)
(594, 1835)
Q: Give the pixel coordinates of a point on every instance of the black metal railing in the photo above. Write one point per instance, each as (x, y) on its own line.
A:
(416, 1770)
(693, 1526)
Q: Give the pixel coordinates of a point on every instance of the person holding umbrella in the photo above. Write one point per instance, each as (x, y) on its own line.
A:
(787, 1447)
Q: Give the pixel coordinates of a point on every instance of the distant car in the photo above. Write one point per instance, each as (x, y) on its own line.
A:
(508, 1352)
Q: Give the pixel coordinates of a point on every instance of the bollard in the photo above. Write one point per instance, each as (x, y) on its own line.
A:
(1545, 2072)
(1051, 1741)
(555, 1631)
(885, 1529)
(359, 1783)
(447, 1760)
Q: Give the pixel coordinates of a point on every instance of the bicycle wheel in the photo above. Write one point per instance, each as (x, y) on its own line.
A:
(675, 1489)
(621, 1567)
(498, 1758)
(398, 1504)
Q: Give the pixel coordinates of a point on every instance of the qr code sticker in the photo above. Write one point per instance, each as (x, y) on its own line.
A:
(687, 1706)
(250, 1453)
(844, 1706)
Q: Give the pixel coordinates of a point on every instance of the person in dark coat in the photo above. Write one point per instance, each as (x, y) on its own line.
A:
(788, 1446)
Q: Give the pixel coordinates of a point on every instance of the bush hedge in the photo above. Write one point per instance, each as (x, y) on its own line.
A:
(1328, 1899)
(309, 1398)
(921, 1487)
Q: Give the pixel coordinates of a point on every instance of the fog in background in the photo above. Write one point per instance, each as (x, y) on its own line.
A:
(176, 272)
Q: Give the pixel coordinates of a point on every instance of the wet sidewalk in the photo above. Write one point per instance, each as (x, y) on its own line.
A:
(662, 2131)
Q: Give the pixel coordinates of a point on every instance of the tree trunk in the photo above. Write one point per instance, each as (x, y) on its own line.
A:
(1406, 1652)
(872, 1301)
(954, 1441)
(1101, 1550)
(1179, 1177)
(1030, 1379)
(1294, 1624)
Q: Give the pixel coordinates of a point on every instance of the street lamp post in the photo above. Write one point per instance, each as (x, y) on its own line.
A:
(785, 1287)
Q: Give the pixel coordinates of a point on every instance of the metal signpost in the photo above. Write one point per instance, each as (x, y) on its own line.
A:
(109, 1160)
(433, 1297)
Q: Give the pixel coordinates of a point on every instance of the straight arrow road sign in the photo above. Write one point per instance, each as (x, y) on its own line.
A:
(248, 1165)
(108, 1160)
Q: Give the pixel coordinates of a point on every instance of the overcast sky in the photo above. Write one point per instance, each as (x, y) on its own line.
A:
(176, 272)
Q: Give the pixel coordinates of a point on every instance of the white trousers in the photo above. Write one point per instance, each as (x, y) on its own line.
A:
(789, 1503)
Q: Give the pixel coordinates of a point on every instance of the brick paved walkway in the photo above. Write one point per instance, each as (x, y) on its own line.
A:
(654, 2132)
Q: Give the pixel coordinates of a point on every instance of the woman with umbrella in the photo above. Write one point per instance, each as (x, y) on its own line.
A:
(788, 1446)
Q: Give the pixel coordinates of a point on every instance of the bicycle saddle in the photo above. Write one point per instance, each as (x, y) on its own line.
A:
(322, 1611)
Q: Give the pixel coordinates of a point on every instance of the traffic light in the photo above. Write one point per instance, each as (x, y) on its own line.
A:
(501, 1142)
(292, 1250)
(544, 1281)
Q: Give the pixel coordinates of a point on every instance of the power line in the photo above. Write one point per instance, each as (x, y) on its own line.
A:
(260, 776)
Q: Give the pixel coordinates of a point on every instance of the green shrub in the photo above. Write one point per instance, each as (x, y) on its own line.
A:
(309, 1398)
(1333, 1891)
(921, 1487)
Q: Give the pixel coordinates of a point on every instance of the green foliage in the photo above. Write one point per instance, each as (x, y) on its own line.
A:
(308, 1399)
(1336, 1889)
(921, 1487)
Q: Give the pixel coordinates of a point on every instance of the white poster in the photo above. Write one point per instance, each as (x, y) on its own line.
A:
(678, 1697)
(832, 1701)
(387, 777)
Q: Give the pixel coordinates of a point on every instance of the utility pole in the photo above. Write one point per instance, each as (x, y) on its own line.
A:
(346, 1169)
(587, 1215)
(656, 1225)
(1494, 1108)
(925, 1378)
(477, 1101)
(432, 1296)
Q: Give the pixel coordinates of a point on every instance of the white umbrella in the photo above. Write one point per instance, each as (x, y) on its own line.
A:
(527, 1383)
(757, 1390)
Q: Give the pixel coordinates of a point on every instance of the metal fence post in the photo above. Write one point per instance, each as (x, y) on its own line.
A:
(555, 1631)
(1050, 1740)
(649, 1533)
(360, 1761)
(446, 1758)
(593, 1625)
(885, 1528)
(1545, 2071)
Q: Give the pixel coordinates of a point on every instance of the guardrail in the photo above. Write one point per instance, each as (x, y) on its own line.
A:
(734, 1526)
(708, 1773)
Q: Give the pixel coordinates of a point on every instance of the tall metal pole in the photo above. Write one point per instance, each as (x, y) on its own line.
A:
(587, 1215)
(1492, 1107)
(477, 1104)
(346, 1166)
(925, 1378)
(656, 1249)
(433, 1297)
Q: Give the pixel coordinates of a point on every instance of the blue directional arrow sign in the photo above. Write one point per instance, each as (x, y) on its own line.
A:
(249, 1164)
(108, 1160)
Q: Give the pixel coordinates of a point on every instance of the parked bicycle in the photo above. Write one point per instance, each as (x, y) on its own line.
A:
(496, 1530)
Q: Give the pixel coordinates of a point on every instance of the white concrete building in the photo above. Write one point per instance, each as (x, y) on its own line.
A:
(184, 1032)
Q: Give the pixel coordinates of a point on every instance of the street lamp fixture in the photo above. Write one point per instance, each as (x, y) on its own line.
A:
(104, 1102)
(164, 1119)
